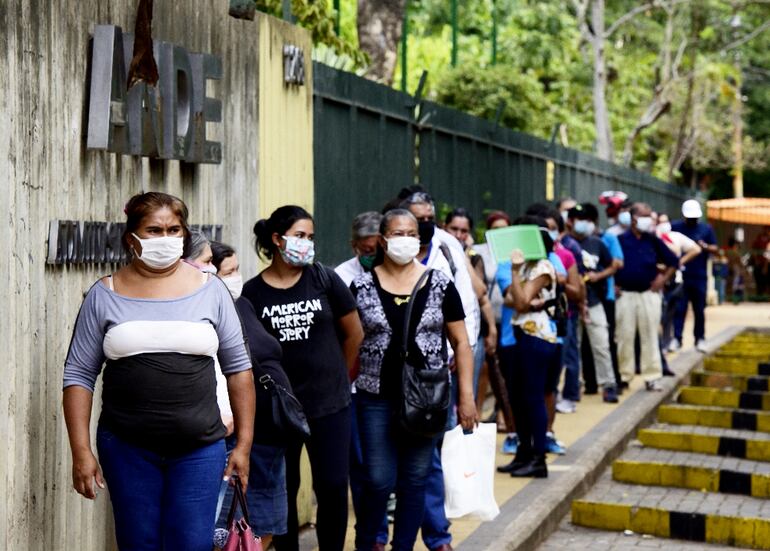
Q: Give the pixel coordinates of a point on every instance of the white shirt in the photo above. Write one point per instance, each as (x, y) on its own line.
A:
(349, 270)
(679, 244)
(461, 279)
(538, 324)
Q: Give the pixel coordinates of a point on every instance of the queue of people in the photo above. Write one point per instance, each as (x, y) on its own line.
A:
(380, 356)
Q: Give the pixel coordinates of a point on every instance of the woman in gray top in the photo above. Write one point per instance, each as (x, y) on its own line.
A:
(158, 323)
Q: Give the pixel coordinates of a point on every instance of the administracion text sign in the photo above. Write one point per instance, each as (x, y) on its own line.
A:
(167, 121)
(79, 242)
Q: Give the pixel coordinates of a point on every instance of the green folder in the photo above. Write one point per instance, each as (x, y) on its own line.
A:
(503, 241)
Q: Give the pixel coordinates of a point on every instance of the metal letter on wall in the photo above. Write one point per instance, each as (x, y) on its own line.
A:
(107, 109)
(293, 65)
(167, 121)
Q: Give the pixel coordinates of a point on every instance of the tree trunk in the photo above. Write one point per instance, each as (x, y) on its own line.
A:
(686, 135)
(657, 108)
(604, 148)
(380, 23)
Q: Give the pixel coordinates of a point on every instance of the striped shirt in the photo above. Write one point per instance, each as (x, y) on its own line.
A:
(159, 387)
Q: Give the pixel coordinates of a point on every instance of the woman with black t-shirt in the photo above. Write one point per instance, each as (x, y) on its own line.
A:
(311, 313)
(266, 491)
(394, 458)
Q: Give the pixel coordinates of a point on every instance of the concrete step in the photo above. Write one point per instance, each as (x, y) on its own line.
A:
(707, 416)
(731, 381)
(701, 396)
(707, 440)
(692, 477)
(675, 513)
(755, 339)
(737, 365)
(751, 532)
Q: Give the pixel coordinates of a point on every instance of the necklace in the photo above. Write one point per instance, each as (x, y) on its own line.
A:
(399, 301)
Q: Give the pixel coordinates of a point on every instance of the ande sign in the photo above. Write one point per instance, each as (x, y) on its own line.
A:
(164, 122)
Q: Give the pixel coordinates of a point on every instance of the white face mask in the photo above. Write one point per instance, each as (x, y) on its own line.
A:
(402, 250)
(209, 269)
(160, 253)
(234, 284)
(663, 228)
(584, 227)
(644, 224)
(624, 218)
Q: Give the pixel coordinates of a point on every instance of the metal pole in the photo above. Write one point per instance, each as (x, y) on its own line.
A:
(287, 10)
(404, 41)
(494, 32)
(454, 33)
(336, 5)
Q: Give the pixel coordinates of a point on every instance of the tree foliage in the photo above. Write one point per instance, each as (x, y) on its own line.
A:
(543, 74)
(319, 18)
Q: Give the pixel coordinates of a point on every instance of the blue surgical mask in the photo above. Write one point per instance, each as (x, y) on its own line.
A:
(624, 219)
(554, 235)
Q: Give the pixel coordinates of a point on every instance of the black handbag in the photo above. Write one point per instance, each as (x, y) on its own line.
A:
(425, 401)
(286, 411)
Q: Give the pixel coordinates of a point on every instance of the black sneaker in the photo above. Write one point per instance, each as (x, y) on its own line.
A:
(610, 394)
(653, 386)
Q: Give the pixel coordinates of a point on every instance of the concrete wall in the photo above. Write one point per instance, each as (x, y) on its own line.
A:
(46, 173)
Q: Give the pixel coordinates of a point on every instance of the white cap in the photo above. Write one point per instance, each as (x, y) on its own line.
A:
(691, 209)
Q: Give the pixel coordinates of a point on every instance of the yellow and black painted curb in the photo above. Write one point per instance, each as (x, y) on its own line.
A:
(758, 450)
(720, 418)
(735, 381)
(701, 396)
(743, 532)
(737, 365)
(690, 477)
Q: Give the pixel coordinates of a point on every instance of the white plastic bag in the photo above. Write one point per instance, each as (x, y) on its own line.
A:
(468, 461)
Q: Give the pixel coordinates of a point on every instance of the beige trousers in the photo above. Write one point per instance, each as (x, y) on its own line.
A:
(598, 333)
(638, 312)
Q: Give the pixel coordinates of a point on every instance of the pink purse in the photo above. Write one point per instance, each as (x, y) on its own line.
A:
(240, 537)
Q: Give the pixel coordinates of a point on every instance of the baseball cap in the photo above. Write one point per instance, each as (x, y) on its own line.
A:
(691, 209)
(613, 200)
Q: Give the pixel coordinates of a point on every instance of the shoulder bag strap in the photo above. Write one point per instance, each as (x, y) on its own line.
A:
(409, 307)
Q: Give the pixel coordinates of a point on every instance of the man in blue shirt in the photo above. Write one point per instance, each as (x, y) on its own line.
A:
(639, 302)
(695, 274)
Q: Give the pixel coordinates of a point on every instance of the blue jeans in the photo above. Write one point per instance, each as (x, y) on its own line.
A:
(392, 459)
(435, 525)
(695, 293)
(479, 353)
(570, 357)
(357, 472)
(527, 390)
(161, 502)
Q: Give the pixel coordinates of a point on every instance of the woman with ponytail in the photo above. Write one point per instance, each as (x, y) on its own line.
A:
(312, 314)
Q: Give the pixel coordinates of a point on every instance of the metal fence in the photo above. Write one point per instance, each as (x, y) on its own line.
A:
(371, 140)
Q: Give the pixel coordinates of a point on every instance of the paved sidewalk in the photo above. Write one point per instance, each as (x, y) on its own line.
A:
(570, 537)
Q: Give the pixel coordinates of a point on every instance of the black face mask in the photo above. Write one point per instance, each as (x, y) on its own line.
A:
(426, 229)
(691, 221)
